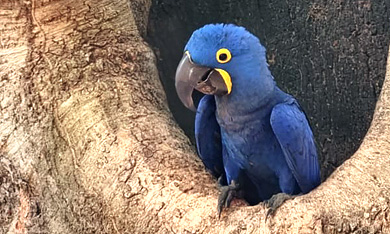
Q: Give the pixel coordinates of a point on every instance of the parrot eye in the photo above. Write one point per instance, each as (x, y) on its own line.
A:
(223, 55)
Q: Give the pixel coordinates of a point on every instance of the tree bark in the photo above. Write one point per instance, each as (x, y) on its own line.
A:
(88, 145)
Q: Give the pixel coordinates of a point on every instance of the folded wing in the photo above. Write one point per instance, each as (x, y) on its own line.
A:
(294, 134)
(208, 136)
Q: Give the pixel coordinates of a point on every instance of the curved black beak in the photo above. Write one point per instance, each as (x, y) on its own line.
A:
(190, 76)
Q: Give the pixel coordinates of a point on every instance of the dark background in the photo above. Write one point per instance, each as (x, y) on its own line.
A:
(331, 55)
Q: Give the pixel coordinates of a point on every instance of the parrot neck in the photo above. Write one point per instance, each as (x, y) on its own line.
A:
(231, 114)
(250, 102)
(249, 96)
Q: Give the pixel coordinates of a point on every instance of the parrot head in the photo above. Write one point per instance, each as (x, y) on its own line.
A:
(224, 60)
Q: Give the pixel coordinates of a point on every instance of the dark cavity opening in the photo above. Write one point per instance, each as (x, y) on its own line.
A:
(325, 54)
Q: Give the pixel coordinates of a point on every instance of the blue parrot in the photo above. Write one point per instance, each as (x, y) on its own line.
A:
(250, 134)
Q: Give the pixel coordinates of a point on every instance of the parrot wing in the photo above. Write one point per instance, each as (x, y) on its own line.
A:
(295, 137)
(208, 136)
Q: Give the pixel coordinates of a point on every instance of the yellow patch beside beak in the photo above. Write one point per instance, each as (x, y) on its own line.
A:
(226, 78)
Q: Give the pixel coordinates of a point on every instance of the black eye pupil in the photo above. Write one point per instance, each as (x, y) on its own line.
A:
(222, 57)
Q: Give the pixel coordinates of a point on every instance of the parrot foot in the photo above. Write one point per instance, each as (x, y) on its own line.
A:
(275, 202)
(226, 196)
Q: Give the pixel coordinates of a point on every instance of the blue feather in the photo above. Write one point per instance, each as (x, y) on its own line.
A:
(293, 132)
(208, 136)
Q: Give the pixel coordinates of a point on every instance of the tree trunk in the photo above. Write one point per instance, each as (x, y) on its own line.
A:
(87, 143)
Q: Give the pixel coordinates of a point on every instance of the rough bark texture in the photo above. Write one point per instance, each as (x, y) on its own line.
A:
(331, 55)
(87, 144)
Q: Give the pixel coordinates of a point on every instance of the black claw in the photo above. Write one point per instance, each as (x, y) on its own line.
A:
(222, 198)
(275, 202)
(229, 198)
(226, 196)
(270, 212)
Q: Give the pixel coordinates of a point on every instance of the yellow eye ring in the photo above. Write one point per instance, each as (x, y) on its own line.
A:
(223, 55)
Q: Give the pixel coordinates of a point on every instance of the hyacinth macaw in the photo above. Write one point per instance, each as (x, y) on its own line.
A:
(250, 134)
